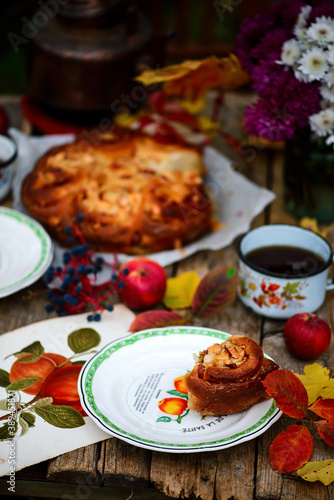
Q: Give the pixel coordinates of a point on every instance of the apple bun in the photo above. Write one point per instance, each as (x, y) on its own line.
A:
(227, 378)
(136, 195)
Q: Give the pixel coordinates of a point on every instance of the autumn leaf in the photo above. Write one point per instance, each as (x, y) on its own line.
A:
(318, 471)
(291, 449)
(317, 382)
(324, 408)
(191, 79)
(156, 319)
(289, 393)
(181, 290)
(326, 431)
(216, 291)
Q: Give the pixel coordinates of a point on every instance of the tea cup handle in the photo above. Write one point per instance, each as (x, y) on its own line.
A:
(330, 282)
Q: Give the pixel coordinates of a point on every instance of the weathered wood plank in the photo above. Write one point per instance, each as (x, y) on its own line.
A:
(189, 475)
(123, 465)
(78, 465)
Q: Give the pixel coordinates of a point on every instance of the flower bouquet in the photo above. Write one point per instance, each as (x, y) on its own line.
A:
(289, 53)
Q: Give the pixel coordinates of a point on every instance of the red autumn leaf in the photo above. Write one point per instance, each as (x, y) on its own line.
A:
(291, 449)
(326, 431)
(288, 391)
(324, 408)
(216, 291)
(156, 319)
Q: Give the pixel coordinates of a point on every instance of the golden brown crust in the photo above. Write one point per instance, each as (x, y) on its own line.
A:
(222, 394)
(136, 195)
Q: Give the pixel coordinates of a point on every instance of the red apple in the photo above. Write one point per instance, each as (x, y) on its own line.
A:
(144, 282)
(306, 336)
(41, 369)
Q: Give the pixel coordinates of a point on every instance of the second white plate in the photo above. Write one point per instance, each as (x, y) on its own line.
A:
(26, 251)
(131, 389)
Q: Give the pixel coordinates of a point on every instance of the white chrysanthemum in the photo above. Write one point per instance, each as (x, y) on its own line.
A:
(329, 78)
(322, 31)
(327, 93)
(303, 16)
(300, 33)
(290, 52)
(330, 140)
(322, 123)
(330, 55)
(314, 64)
(301, 76)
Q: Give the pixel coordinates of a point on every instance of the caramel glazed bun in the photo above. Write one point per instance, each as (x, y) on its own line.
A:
(136, 195)
(227, 377)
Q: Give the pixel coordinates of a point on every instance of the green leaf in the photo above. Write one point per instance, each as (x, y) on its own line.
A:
(24, 426)
(4, 378)
(43, 402)
(164, 419)
(8, 431)
(4, 405)
(61, 416)
(29, 418)
(19, 385)
(83, 339)
(216, 291)
(4, 432)
(291, 288)
(34, 348)
(178, 394)
(25, 360)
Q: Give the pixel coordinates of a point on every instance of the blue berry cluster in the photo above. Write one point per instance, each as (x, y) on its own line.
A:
(76, 290)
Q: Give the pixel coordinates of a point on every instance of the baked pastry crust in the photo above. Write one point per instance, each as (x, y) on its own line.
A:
(227, 378)
(137, 195)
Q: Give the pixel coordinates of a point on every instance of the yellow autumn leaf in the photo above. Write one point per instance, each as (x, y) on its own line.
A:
(180, 290)
(193, 107)
(328, 391)
(193, 79)
(207, 125)
(315, 379)
(318, 471)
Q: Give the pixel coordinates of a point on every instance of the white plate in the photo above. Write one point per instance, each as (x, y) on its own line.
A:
(121, 386)
(25, 251)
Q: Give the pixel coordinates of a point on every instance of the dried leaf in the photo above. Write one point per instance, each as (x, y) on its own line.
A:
(156, 319)
(192, 79)
(318, 471)
(289, 393)
(324, 408)
(315, 380)
(181, 290)
(216, 291)
(326, 431)
(291, 449)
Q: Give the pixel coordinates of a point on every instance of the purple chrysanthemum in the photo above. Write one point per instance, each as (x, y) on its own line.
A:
(270, 47)
(268, 76)
(252, 30)
(277, 116)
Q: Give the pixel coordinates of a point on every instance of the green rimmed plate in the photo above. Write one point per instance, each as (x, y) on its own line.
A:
(26, 251)
(131, 389)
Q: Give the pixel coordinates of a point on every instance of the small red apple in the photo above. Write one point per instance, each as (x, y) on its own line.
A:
(144, 282)
(306, 336)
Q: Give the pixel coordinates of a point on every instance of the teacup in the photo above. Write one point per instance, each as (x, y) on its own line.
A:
(8, 153)
(292, 287)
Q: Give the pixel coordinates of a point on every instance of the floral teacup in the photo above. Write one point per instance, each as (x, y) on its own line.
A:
(282, 294)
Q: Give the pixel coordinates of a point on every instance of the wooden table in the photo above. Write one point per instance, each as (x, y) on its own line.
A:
(119, 471)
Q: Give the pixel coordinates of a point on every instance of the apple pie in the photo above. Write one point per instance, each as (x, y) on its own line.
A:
(136, 195)
(227, 378)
